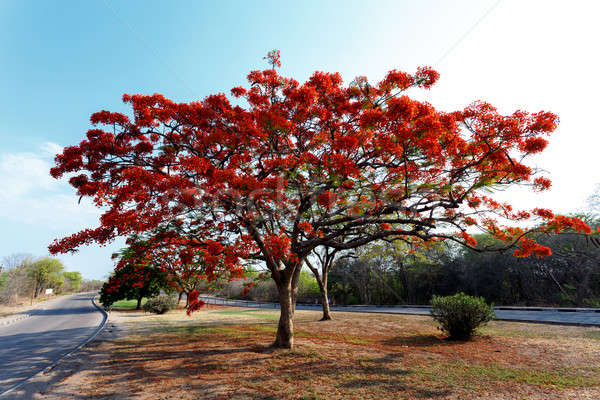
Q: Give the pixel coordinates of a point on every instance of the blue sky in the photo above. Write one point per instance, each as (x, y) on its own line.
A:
(62, 61)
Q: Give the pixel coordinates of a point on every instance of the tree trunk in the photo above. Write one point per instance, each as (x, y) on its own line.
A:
(179, 299)
(322, 282)
(139, 303)
(325, 301)
(285, 329)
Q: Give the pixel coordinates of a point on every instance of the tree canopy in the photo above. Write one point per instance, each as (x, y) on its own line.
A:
(132, 281)
(186, 263)
(46, 272)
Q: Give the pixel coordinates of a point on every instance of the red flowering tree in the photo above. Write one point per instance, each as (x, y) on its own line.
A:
(187, 262)
(133, 281)
(296, 166)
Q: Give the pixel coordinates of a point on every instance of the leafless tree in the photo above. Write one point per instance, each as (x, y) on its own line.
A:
(15, 279)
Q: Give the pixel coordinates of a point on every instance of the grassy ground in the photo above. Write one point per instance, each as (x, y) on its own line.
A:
(127, 304)
(224, 353)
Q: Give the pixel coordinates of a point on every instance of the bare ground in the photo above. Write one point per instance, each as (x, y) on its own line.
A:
(223, 353)
(24, 304)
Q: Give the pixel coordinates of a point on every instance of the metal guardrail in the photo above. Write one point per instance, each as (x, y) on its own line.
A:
(257, 304)
(240, 303)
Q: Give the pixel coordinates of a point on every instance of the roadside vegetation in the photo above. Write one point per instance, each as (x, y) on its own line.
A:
(461, 315)
(24, 280)
(385, 274)
(127, 304)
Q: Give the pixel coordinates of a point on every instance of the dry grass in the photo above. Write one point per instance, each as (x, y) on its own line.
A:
(23, 304)
(224, 353)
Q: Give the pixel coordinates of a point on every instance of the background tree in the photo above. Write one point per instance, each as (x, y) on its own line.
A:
(593, 201)
(326, 258)
(569, 277)
(133, 281)
(391, 273)
(575, 269)
(303, 166)
(91, 285)
(14, 278)
(44, 273)
(73, 280)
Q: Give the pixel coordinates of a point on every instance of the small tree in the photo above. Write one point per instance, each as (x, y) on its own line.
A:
(15, 284)
(132, 281)
(460, 315)
(46, 272)
(326, 257)
(73, 280)
(14, 277)
(187, 262)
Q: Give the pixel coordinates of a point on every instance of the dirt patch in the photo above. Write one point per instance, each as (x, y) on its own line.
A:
(224, 352)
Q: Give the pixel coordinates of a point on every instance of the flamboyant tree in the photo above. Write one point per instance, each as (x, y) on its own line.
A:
(187, 262)
(294, 166)
(132, 281)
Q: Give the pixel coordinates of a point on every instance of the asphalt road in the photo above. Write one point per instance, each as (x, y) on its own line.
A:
(32, 344)
(570, 316)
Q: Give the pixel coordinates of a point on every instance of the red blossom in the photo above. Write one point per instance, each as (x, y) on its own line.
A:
(427, 77)
(278, 246)
(469, 240)
(534, 145)
(194, 303)
(544, 213)
(542, 183)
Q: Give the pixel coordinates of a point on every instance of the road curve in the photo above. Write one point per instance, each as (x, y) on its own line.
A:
(35, 343)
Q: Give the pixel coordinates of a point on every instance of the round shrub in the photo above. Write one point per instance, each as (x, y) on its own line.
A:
(160, 304)
(460, 315)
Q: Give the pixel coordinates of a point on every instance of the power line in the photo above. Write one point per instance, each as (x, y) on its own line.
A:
(150, 48)
(464, 35)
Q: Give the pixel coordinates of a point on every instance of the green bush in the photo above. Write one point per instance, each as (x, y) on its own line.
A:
(460, 315)
(308, 286)
(160, 304)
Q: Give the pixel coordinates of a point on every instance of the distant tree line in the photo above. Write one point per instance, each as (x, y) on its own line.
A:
(569, 277)
(393, 273)
(385, 274)
(23, 276)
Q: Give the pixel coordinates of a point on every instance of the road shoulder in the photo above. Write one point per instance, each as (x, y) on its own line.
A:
(50, 384)
(12, 314)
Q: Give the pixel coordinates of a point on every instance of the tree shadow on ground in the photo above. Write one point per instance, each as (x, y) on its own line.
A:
(427, 341)
(24, 354)
(226, 361)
